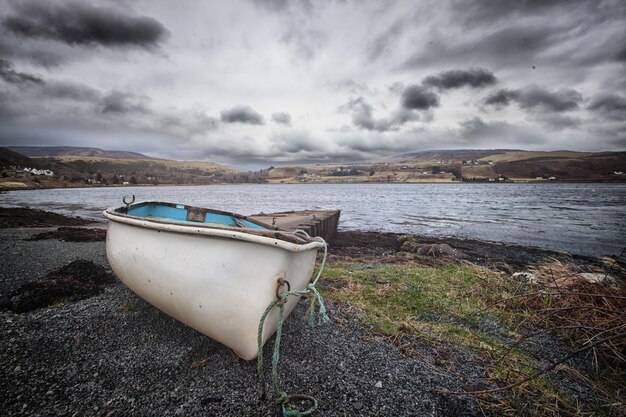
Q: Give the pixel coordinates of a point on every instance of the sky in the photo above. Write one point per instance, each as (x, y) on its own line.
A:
(254, 83)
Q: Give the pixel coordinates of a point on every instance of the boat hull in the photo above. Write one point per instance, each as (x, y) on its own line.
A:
(217, 282)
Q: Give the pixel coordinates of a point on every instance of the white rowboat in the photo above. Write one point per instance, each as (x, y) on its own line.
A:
(214, 271)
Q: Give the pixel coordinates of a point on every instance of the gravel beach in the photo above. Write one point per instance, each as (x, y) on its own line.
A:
(114, 354)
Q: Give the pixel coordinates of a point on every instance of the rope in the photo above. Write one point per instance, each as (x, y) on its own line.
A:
(284, 401)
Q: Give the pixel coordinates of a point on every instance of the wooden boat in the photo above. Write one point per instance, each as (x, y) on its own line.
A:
(215, 271)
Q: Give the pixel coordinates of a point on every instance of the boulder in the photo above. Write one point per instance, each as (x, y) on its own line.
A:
(409, 243)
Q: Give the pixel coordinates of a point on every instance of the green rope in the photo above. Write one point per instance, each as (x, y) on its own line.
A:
(284, 401)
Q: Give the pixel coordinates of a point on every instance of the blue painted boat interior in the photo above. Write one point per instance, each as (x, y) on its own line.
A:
(179, 214)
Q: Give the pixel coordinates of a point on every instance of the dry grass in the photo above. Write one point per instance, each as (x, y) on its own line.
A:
(444, 306)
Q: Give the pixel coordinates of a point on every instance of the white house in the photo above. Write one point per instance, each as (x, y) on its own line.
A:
(36, 171)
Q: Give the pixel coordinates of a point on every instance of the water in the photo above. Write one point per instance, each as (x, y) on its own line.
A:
(579, 218)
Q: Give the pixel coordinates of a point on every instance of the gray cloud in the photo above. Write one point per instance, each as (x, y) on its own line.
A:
(305, 42)
(46, 53)
(281, 118)
(187, 123)
(8, 74)
(350, 85)
(363, 117)
(557, 121)
(501, 98)
(507, 46)
(242, 114)
(384, 41)
(533, 96)
(82, 24)
(473, 77)
(610, 106)
(122, 102)
(283, 5)
(477, 131)
(520, 34)
(294, 142)
(480, 11)
(416, 97)
(71, 91)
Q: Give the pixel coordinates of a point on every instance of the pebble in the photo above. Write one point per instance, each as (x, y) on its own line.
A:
(379, 384)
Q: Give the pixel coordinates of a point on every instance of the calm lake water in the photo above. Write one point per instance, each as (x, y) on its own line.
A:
(580, 218)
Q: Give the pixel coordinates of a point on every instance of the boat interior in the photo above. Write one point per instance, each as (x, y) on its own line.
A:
(188, 214)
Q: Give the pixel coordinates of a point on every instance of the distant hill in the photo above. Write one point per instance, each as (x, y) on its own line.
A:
(75, 167)
(54, 151)
(448, 154)
(474, 165)
(11, 158)
(520, 164)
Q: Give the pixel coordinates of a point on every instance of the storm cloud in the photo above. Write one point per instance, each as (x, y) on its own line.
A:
(476, 130)
(611, 106)
(363, 116)
(242, 114)
(535, 97)
(8, 74)
(287, 81)
(474, 77)
(122, 102)
(416, 97)
(82, 24)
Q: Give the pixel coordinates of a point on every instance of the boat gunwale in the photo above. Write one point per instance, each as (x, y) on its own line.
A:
(273, 236)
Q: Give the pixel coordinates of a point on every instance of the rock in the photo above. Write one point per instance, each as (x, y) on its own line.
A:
(379, 384)
(358, 406)
(439, 250)
(599, 278)
(408, 243)
(525, 277)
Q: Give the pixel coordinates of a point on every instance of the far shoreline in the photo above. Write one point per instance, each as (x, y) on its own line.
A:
(28, 188)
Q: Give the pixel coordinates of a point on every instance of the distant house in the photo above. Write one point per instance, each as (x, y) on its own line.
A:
(538, 178)
(492, 180)
(36, 171)
(618, 172)
(125, 183)
(552, 178)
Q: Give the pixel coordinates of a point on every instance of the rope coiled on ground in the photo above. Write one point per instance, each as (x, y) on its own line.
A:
(284, 401)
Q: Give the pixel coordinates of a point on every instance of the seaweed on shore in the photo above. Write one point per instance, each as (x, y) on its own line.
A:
(27, 217)
(75, 281)
(73, 234)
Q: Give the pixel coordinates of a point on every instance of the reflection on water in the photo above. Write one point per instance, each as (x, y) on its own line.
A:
(580, 218)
